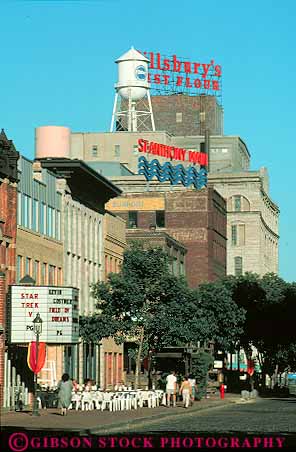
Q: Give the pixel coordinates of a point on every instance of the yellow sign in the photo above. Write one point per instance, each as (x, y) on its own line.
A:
(121, 204)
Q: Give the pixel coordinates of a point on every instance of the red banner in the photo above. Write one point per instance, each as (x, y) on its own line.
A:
(31, 358)
(250, 367)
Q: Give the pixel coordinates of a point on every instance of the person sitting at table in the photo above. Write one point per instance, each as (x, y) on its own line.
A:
(87, 384)
(75, 385)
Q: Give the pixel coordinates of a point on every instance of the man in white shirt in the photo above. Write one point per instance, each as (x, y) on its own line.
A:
(171, 388)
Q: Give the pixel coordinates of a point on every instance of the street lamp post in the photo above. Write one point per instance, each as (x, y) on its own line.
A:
(37, 331)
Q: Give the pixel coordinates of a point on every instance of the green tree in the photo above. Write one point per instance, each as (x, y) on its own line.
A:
(143, 303)
(220, 318)
(200, 369)
(269, 303)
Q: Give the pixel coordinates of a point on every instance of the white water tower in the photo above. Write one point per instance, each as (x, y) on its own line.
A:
(132, 87)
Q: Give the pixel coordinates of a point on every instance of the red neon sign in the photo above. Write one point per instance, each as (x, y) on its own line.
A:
(186, 74)
(172, 152)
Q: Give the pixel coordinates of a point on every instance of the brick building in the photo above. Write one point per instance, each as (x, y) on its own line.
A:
(197, 219)
(183, 115)
(160, 239)
(8, 205)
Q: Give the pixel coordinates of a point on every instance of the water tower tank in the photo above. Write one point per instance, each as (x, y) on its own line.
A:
(52, 141)
(132, 75)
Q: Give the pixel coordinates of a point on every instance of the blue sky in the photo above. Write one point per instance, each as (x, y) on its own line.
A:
(57, 67)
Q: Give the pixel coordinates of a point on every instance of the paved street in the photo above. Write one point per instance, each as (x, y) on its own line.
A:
(263, 415)
(230, 418)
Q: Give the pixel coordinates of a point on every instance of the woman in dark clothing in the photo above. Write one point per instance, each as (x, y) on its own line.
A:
(65, 388)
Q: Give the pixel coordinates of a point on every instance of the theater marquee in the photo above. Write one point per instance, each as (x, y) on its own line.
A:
(58, 309)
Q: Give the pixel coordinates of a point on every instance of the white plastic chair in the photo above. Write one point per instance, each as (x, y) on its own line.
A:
(143, 398)
(116, 402)
(107, 401)
(98, 400)
(87, 401)
(76, 401)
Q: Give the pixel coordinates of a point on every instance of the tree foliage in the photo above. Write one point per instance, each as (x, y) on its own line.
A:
(146, 303)
(270, 306)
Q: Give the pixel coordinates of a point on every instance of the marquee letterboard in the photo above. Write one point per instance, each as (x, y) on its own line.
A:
(58, 308)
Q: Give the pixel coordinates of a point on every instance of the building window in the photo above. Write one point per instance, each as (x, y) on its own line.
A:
(238, 235)
(19, 265)
(35, 208)
(60, 276)
(117, 150)
(43, 219)
(51, 275)
(19, 208)
(94, 151)
(26, 211)
(160, 218)
(50, 222)
(44, 274)
(28, 266)
(182, 268)
(36, 272)
(58, 225)
(106, 265)
(234, 235)
(179, 117)
(133, 219)
(238, 266)
(237, 203)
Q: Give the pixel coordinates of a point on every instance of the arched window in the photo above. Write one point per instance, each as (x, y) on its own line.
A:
(238, 203)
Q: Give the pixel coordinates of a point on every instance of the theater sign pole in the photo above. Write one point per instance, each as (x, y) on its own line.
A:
(37, 331)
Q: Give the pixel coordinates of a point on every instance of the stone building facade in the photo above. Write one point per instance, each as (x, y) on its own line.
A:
(252, 222)
(8, 206)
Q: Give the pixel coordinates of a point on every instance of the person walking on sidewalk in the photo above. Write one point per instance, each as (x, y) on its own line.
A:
(192, 382)
(171, 388)
(186, 391)
(65, 388)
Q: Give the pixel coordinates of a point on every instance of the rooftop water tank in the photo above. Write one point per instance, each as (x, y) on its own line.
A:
(52, 141)
(132, 75)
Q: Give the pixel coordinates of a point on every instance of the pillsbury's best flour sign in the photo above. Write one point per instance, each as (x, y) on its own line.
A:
(58, 308)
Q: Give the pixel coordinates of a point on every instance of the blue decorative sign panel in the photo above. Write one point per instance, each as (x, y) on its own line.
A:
(173, 174)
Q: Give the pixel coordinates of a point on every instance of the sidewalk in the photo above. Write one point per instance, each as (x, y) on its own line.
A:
(97, 421)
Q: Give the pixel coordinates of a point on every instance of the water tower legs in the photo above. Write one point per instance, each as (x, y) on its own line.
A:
(133, 115)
